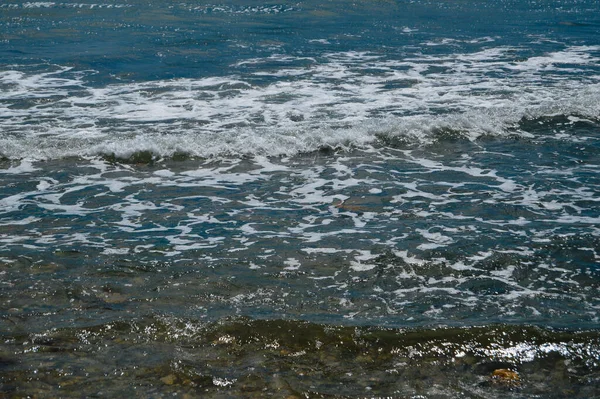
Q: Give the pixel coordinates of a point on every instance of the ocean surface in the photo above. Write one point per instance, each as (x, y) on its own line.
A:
(300, 199)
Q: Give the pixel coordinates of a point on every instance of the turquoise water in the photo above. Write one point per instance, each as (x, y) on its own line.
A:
(300, 199)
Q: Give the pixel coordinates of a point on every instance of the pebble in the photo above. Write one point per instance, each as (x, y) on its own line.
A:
(169, 379)
(506, 377)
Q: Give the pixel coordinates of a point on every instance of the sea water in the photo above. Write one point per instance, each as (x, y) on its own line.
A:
(317, 199)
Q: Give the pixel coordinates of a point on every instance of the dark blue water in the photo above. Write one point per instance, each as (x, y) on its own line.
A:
(300, 199)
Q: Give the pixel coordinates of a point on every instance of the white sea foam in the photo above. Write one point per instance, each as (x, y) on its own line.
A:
(51, 4)
(24, 167)
(238, 9)
(332, 102)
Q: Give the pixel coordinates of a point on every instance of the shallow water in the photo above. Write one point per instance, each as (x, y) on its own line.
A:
(368, 199)
(166, 356)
